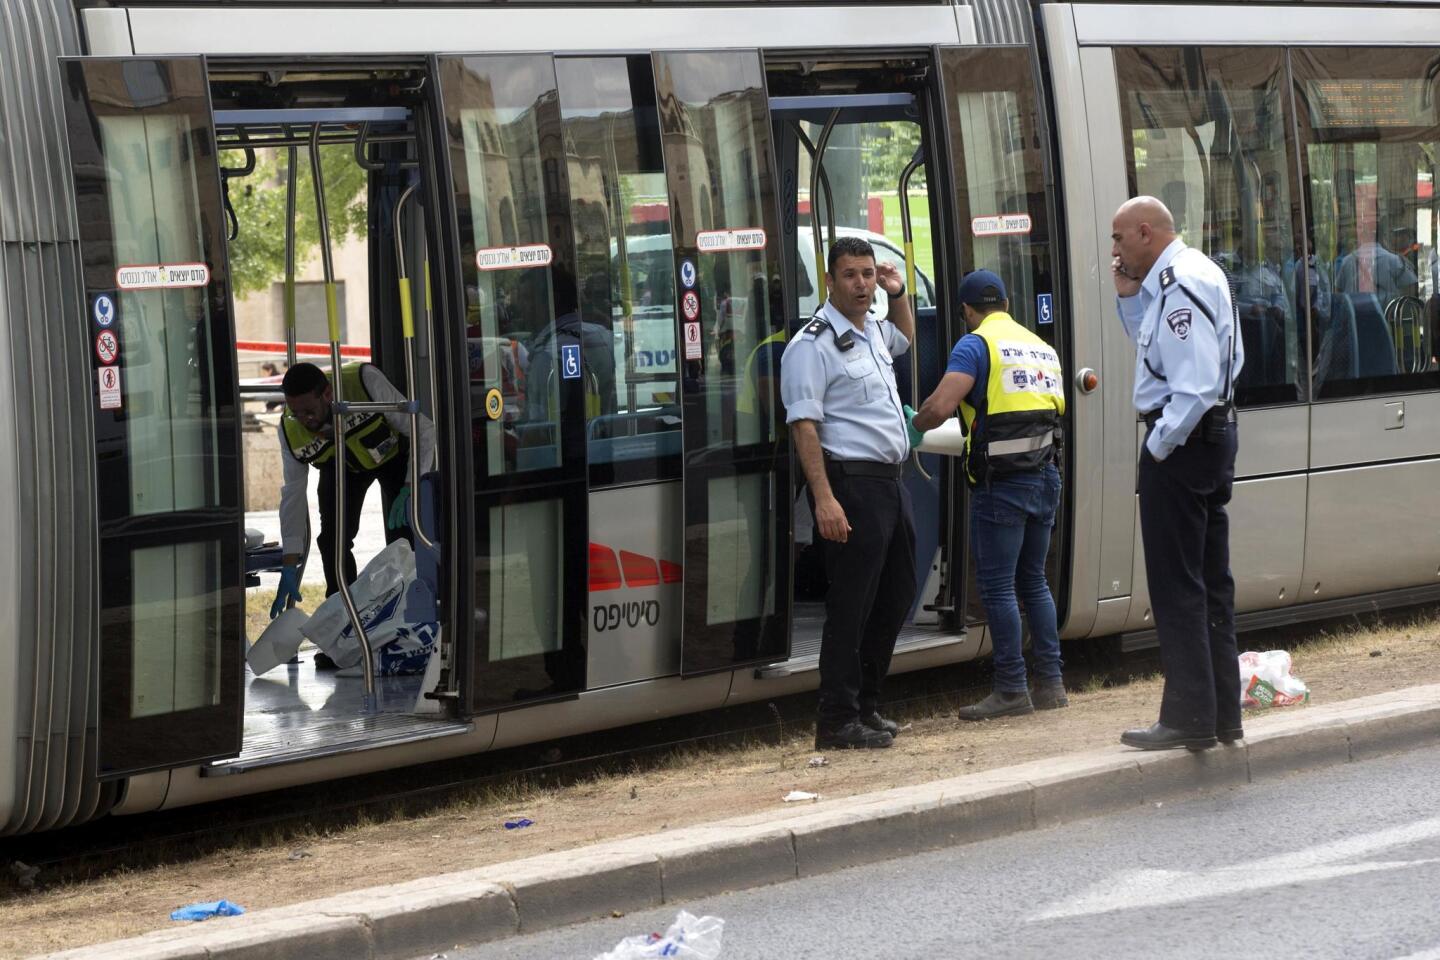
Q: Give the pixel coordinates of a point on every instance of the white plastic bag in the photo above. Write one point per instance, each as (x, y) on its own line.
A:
(1266, 680)
(689, 937)
(383, 594)
(280, 641)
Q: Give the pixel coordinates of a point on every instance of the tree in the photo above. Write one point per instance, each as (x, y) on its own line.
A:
(257, 254)
(887, 148)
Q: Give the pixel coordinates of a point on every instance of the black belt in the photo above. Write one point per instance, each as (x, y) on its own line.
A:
(1224, 412)
(866, 468)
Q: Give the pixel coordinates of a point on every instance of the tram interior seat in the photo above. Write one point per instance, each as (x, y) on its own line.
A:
(1374, 350)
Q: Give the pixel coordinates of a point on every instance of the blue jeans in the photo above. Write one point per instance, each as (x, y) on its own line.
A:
(1011, 516)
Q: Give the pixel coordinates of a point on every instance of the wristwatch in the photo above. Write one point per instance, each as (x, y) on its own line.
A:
(898, 293)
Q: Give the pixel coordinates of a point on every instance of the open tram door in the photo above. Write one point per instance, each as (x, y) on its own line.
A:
(166, 415)
(715, 135)
(1003, 203)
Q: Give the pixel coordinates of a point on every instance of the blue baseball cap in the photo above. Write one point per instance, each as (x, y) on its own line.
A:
(982, 288)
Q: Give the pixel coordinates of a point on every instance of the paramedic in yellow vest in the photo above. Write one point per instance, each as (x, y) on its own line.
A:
(377, 447)
(1009, 387)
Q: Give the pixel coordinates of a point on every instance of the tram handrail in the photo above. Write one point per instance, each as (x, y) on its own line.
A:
(907, 234)
(337, 413)
(817, 163)
(407, 328)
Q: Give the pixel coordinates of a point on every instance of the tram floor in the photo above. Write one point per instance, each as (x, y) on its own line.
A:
(683, 785)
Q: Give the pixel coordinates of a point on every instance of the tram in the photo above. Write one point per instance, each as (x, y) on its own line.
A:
(637, 196)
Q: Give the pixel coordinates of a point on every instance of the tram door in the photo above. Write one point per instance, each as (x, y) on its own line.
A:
(165, 409)
(527, 343)
(1003, 212)
(715, 136)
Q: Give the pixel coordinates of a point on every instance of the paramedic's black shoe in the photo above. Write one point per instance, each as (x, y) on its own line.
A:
(323, 662)
(1160, 737)
(1049, 695)
(1000, 703)
(852, 736)
(1229, 734)
(874, 721)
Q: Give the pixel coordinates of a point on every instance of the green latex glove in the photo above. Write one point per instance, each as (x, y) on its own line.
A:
(399, 516)
(916, 434)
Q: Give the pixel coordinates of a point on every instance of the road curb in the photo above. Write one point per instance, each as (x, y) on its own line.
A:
(405, 920)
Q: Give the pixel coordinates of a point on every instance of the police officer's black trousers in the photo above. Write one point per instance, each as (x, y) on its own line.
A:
(872, 585)
(1186, 533)
(392, 474)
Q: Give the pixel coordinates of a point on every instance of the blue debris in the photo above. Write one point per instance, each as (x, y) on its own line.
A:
(204, 911)
(517, 824)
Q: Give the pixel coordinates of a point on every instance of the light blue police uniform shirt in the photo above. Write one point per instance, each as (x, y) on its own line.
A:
(1173, 333)
(850, 394)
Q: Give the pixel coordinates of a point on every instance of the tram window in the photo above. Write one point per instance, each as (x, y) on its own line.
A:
(1371, 131)
(1000, 184)
(625, 265)
(166, 363)
(1206, 132)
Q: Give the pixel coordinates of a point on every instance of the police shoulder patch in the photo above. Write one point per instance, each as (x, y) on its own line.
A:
(1179, 323)
(1167, 277)
(813, 329)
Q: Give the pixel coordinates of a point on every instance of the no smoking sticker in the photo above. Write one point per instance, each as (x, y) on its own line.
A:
(107, 348)
(109, 388)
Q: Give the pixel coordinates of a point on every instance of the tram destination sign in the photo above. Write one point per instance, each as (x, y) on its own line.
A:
(161, 276)
(1371, 103)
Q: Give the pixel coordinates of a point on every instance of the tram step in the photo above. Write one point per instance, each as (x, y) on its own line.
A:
(361, 733)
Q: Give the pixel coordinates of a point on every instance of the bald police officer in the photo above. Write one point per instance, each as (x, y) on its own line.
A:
(837, 381)
(1176, 306)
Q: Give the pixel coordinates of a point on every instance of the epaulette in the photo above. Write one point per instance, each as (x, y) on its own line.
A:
(1167, 278)
(813, 329)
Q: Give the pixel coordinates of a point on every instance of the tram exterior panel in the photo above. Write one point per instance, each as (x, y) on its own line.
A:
(1332, 497)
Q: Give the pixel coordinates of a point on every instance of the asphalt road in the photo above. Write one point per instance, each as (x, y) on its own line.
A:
(1340, 863)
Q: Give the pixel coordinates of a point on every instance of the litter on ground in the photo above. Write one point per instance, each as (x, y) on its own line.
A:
(204, 911)
(795, 796)
(1266, 680)
(519, 824)
(689, 938)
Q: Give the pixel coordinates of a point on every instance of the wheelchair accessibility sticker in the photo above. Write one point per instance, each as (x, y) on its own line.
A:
(1044, 308)
(570, 361)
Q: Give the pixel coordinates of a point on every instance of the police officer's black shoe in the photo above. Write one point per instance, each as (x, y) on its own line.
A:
(1229, 734)
(1049, 695)
(874, 721)
(1160, 737)
(1000, 703)
(851, 736)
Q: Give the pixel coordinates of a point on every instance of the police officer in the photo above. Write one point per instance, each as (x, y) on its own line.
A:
(837, 382)
(377, 447)
(1175, 304)
(1010, 390)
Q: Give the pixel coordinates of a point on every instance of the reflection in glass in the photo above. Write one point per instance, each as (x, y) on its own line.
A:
(521, 579)
(165, 363)
(717, 148)
(625, 261)
(737, 556)
(503, 115)
(1207, 134)
(1000, 189)
(1369, 123)
(175, 615)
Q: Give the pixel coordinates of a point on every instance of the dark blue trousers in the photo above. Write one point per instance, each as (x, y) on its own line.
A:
(1186, 533)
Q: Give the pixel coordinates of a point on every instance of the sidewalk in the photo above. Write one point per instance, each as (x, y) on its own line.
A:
(423, 916)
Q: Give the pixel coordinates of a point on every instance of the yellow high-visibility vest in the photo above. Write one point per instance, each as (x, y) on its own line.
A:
(1024, 400)
(369, 438)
